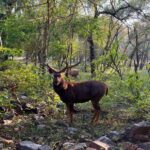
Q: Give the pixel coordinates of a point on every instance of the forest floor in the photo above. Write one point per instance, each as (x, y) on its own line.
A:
(53, 128)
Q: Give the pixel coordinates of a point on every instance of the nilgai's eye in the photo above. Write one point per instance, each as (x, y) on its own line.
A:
(58, 75)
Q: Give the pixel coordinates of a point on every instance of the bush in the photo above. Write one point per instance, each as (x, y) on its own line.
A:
(131, 93)
(20, 78)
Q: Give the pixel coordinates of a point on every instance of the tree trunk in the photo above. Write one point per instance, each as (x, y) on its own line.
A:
(42, 55)
(45, 40)
(92, 54)
(1, 42)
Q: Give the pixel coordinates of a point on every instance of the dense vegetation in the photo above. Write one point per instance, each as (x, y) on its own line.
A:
(111, 39)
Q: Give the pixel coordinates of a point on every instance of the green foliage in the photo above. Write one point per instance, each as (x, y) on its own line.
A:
(58, 49)
(85, 25)
(131, 92)
(10, 51)
(26, 79)
(69, 32)
(148, 66)
(112, 61)
(18, 30)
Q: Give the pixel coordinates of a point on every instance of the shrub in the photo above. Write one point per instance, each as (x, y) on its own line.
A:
(131, 93)
(25, 79)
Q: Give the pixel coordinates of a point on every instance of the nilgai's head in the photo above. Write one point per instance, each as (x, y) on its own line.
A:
(57, 78)
(57, 75)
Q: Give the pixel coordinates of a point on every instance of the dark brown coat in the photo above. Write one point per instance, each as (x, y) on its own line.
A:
(78, 92)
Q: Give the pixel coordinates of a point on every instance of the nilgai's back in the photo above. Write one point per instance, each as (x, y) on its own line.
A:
(89, 90)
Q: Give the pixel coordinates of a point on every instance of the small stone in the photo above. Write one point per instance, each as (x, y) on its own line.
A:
(1, 146)
(143, 124)
(89, 148)
(40, 139)
(145, 146)
(86, 134)
(28, 145)
(24, 97)
(2, 109)
(72, 130)
(102, 142)
(38, 118)
(99, 145)
(68, 145)
(60, 105)
(8, 116)
(106, 140)
(61, 123)
(130, 146)
(80, 146)
(16, 129)
(7, 122)
(44, 147)
(74, 146)
(139, 131)
(115, 136)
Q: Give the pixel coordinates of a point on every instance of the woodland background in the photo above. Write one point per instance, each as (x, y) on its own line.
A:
(110, 38)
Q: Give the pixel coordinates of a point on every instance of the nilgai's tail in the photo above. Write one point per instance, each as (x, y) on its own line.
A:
(106, 90)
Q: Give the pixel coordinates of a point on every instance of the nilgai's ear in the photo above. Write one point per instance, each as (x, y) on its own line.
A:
(50, 69)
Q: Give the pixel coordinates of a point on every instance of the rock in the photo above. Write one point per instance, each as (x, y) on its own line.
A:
(24, 97)
(16, 129)
(60, 105)
(85, 134)
(115, 136)
(6, 141)
(40, 139)
(103, 142)
(21, 107)
(44, 147)
(8, 148)
(39, 119)
(31, 111)
(89, 148)
(106, 140)
(139, 131)
(61, 123)
(7, 122)
(72, 130)
(74, 146)
(84, 139)
(130, 146)
(8, 116)
(143, 124)
(2, 109)
(68, 146)
(98, 145)
(1, 146)
(80, 146)
(145, 146)
(28, 108)
(27, 145)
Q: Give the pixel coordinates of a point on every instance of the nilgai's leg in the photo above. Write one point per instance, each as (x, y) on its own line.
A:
(97, 110)
(70, 112)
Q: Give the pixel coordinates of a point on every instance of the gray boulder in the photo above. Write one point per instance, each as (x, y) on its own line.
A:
(28, 145)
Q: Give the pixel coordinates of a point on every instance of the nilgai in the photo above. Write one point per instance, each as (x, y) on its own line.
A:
(78, 92)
